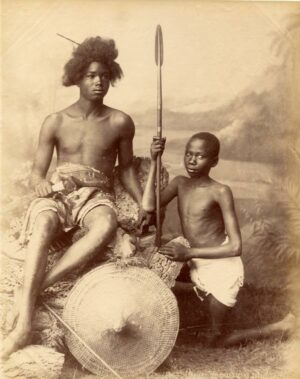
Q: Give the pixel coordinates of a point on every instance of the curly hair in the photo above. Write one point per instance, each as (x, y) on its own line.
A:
(93, 49)
(212, 141)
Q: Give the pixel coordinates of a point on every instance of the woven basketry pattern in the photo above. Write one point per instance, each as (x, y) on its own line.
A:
(165, 268)
(128, 316)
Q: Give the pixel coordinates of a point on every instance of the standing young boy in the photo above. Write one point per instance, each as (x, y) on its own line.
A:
(209, 223)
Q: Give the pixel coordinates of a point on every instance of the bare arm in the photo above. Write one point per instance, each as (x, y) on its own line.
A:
(232, 248)
(149, 198)
(128, 176)
(43, 156)
(148, 201)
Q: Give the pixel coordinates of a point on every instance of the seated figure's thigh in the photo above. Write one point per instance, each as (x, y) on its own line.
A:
(101, 218)
(42, 213)
(47, 220)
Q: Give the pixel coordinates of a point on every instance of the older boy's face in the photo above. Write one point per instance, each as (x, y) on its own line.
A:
(197, 158)
(95, 83)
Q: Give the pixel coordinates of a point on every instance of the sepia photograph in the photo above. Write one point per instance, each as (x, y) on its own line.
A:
(150, 189)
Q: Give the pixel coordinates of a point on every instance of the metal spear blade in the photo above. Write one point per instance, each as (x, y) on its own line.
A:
(159, 52)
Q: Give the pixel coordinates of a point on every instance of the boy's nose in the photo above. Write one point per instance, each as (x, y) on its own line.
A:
(98, 79)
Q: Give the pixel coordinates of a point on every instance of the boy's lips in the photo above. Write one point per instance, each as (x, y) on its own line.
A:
(98, 90)
(192, 171)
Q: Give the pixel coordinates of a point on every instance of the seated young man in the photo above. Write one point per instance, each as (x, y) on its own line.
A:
(209, 224)
(88, 137)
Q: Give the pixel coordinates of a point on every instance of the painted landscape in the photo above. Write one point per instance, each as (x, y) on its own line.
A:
(260, 160)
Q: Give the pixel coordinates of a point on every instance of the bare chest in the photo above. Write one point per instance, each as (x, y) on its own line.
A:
(197, 202)
(86, 136)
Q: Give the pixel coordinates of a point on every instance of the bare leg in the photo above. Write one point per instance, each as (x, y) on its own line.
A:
(217, 312)
(283, 328)
(102, 225)
(34, 271)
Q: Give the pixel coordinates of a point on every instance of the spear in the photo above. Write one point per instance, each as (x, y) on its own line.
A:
(159, 61)
(72, 331)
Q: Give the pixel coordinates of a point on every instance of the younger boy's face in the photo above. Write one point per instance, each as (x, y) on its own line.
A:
(198, 159)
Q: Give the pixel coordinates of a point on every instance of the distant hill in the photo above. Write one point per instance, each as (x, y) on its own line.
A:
(254, 126)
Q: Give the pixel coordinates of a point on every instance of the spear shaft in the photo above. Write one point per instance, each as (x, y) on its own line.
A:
(159, 62)
(73, 332)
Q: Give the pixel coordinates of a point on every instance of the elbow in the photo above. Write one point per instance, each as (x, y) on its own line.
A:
(237, 249)
(148, 207)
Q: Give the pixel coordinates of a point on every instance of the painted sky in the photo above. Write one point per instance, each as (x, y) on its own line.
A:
(212, 50)
(215, 54)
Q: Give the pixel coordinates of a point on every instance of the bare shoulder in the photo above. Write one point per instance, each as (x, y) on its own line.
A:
(54, 118)
(171, 190)
(181, 179)
(222, 191)
(122, 121)
(52, 122)
(178, 181)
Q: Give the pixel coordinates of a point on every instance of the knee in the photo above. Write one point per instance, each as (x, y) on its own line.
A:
(47, 221)
(106, 224)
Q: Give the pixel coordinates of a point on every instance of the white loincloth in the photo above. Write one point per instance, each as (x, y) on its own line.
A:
(221, 277)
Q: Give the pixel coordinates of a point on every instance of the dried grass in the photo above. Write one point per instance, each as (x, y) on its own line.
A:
(258, 360)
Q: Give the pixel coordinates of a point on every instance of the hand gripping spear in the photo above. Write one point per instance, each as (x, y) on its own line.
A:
(159, 61)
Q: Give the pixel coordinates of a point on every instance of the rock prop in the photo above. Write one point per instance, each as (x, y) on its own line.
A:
(33, 362)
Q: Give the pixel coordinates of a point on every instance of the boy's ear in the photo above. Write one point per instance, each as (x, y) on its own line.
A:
(214, 161)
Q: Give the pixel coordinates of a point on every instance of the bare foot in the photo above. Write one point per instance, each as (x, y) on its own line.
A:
(288, 323)
(282, 328)
(17, 339)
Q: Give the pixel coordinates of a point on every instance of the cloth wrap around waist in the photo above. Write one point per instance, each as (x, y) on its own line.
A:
(71, 207)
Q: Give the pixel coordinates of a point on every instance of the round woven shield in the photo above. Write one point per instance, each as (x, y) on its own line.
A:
(127, 316)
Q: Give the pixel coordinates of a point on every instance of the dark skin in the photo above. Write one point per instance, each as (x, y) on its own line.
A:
(206, 207)
(206, 211)
(88, 133)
